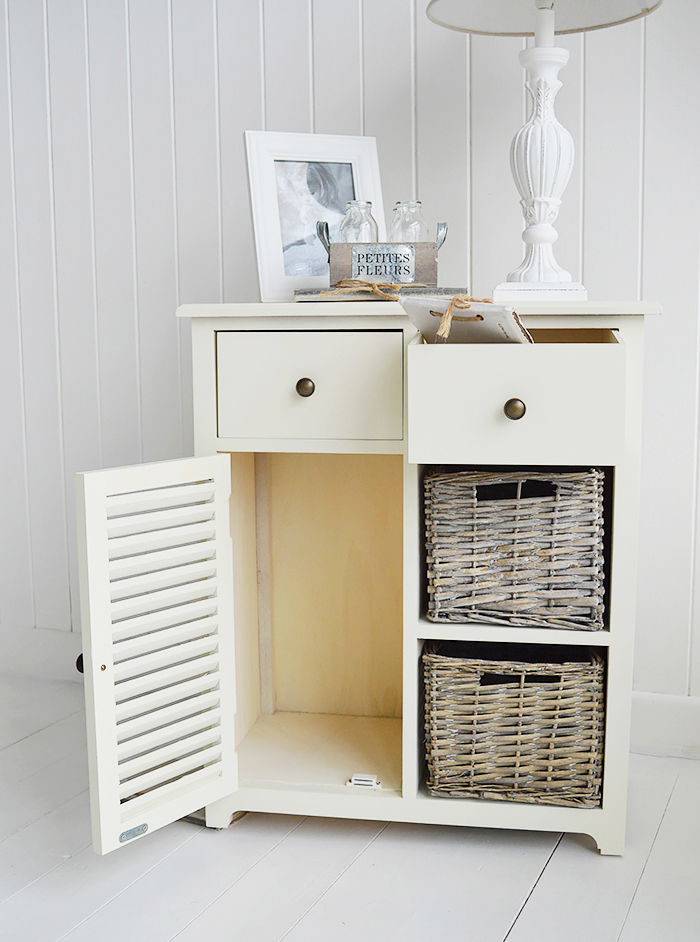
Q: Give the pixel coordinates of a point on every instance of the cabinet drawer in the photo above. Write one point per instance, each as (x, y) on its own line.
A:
(357, 378)
(573, 394)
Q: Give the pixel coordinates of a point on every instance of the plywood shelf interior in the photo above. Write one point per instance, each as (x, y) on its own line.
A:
(320, 750)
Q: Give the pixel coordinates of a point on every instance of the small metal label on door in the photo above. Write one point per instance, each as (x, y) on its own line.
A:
(132, 832)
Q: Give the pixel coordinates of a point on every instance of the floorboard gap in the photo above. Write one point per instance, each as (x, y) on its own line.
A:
(40, 729)
(333, 883)
(237, 880)
(125, 888)
(648, 858)
(44, 815)
(533, 888)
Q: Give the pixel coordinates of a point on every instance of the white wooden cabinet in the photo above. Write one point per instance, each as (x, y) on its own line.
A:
(253, 616)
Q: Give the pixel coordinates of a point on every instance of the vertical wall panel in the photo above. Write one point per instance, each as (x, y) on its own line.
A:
(694, 645)
(670, 270)
(240, 109)
(337, 64)
(694, 640)
(117, 320)
(16, 588)
(197, 175)
(288, 89)
(613, 64)
(442, 142)
(389, 94)
(496, 113)
(154, 191)
(75, 285)
(612, 161)
(196, 150)
(42, 390)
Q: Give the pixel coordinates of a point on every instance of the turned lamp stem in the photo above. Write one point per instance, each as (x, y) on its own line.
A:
(544, 23)
(542, 158)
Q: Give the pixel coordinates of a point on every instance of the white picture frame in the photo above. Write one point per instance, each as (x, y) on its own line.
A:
(296, 180)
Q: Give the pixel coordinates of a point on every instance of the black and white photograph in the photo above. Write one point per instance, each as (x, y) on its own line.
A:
(296, 181)
(309, 192)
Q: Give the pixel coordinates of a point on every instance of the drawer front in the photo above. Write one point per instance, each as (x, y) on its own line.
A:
(574, 396)
(357, 377)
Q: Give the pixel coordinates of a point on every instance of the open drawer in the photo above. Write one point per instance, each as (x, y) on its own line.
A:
(570, 381)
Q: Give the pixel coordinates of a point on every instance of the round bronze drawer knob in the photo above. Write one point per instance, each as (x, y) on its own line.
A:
(305, 387)
(514, 408)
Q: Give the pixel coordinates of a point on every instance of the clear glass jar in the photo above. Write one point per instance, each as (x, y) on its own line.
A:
(359, 225)
(408, 224)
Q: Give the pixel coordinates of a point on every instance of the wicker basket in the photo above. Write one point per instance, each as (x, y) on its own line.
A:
(516, 548)
(522, 730)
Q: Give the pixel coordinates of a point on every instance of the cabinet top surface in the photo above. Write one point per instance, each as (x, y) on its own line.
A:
(394, 309)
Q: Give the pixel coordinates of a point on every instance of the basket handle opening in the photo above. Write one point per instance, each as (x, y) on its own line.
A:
(514, 490)
(491, 680)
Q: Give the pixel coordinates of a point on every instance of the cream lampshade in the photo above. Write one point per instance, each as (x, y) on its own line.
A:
(542, 152)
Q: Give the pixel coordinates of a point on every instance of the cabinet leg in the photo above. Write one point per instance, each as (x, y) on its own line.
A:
(610, 844)
(220, 814)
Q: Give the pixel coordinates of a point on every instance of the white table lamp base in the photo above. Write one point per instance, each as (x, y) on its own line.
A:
(542, 158)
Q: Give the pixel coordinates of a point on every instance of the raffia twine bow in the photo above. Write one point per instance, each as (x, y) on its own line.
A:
(460, 302)
(346, 285)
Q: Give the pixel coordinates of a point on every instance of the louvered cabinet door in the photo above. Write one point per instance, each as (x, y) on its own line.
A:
(157, 614)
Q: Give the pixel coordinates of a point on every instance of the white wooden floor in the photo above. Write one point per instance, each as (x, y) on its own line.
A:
(273, 877)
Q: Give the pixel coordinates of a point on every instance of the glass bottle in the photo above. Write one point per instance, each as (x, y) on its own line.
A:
(394, 234)
(358, 225)
(413, 226)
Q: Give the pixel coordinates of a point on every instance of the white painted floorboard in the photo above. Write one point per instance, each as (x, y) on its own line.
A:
(599, 890)
(667, 902)
(274, 877)
(28, 705)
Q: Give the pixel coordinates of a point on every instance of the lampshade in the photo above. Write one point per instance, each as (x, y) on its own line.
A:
(517, 17)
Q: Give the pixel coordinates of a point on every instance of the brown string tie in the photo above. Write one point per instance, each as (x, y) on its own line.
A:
(460, 302)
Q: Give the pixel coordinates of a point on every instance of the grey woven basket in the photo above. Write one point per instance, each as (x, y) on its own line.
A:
(523, 730)
(515, 559)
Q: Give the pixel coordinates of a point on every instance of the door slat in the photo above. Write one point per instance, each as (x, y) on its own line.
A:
(163, 599)
(136, 808)
(158, 760)
(163, 679)
(166, 696)
(183, 614)
(151, 562)
(167, 715)
(163, 638)
(132, 544)
(187, 653)
(135, 502)
(150, 582)
(159, 520)
(165, 735)
(173, 770)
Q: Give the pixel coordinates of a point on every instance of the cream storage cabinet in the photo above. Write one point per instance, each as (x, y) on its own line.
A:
(254, 617)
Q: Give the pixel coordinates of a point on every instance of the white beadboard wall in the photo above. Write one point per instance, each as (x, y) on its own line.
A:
(123, 193)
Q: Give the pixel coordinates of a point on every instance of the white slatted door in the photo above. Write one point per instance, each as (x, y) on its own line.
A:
(157, 612)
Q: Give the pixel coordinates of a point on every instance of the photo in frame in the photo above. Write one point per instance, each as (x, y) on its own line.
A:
(297, 180)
